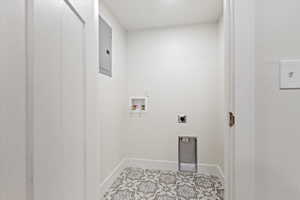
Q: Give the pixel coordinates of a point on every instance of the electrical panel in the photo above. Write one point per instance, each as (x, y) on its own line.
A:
(105, 47)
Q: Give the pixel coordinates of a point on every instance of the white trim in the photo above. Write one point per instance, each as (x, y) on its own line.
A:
(29, 10)
(172, 165)
(153, 164)
(112, 176)
(229, 91)
(221, 172)
(240, 152)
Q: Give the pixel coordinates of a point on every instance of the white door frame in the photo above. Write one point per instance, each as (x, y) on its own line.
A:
(239, 43)
(240, 63)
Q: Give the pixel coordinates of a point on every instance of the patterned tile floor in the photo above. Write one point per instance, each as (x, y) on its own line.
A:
(146, 184)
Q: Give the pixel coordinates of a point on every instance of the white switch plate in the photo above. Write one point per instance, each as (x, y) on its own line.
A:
(290, 74)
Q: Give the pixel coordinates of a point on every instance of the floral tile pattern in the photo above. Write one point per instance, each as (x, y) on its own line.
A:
(147, 184)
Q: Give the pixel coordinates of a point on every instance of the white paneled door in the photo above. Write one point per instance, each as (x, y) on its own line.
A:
(59, 102)
(73, 114)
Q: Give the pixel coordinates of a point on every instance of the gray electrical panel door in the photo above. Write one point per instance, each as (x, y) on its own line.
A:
(105, 48)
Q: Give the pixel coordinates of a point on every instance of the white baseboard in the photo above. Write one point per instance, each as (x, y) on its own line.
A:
(221, 172)
(154, 164)
(108, 181)
(213, 169)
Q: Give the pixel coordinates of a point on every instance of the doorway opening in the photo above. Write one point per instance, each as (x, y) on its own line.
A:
(167, 80)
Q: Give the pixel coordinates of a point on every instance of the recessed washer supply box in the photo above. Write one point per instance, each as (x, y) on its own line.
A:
(138, 104)
(290, 74)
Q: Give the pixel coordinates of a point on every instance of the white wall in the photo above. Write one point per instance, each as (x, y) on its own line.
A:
(277, 111)
(179, 69)
(13, 100)
(112, 98)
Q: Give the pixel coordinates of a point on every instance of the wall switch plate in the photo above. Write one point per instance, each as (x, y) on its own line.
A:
(290, 74)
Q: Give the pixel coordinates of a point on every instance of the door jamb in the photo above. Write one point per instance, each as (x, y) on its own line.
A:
(240, 61)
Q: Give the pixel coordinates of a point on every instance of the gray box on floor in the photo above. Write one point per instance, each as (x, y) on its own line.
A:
(187, 154)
